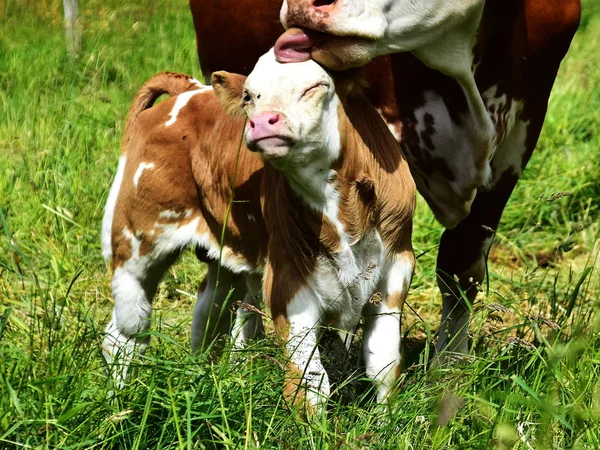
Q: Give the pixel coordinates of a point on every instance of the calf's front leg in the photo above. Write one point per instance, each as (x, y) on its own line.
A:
(297, 318)
(381, 340)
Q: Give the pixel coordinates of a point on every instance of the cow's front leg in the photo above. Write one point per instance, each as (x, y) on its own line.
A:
(461, 266)
(381, 341)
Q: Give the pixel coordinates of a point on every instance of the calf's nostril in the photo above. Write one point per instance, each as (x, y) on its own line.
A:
(274, 119)
(319, 3)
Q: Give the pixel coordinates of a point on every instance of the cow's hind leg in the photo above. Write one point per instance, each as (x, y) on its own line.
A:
(134, 284)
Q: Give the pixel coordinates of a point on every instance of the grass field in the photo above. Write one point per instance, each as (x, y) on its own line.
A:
(531, 381)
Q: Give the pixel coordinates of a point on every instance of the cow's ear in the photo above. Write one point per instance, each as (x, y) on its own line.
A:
(229, 88)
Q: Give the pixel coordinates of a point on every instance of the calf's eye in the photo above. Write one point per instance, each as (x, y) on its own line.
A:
(314, 89)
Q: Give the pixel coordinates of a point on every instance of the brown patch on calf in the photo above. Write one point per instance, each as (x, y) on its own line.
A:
(379, 191)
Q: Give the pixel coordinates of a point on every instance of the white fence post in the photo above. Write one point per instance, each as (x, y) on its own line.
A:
(72, 27)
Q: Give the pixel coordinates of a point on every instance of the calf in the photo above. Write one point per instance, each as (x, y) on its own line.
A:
(320, 208)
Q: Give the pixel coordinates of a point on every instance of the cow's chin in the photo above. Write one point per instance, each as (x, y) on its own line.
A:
(272, 147)
(341, 53)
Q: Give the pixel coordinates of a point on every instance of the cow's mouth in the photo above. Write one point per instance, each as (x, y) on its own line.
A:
(336, 52)
(271, 146)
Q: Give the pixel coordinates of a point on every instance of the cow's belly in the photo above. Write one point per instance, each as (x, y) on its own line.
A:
(450, 163)
(344, 284)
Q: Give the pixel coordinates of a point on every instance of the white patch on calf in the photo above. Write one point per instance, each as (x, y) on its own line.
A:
(109, 209)
(174, 236)
(197, 83)
(381, 339)
(230, 260)
(182, 100)
(394, 127)
(170, 214)
(304, 316)
(136, 242)
(138, 173)
(381, 346)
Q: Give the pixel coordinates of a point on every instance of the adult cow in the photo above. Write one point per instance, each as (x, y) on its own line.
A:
(465, 89)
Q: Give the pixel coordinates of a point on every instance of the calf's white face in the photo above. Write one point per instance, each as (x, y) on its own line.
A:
(292, 111)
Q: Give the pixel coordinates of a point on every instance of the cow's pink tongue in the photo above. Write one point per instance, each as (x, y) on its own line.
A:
(294, 45)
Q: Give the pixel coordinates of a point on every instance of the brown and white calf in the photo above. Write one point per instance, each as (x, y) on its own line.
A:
(322, 211)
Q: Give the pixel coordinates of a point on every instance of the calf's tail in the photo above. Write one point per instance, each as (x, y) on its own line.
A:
(170, 83)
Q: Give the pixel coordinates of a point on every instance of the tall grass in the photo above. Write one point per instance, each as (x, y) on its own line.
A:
(531, 380)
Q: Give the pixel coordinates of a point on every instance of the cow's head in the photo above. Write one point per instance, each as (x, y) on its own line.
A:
(349, 33)
(292, 110)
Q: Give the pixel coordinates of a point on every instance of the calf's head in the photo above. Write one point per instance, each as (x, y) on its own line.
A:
(291, 110)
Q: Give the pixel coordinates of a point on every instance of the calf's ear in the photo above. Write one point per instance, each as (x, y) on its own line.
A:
(229, 88)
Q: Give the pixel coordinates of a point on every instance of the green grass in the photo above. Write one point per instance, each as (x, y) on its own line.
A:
(525, 385)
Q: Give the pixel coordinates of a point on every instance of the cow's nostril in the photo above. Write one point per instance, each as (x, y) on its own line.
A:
(274, 119)
(319, 3)
(252, 124)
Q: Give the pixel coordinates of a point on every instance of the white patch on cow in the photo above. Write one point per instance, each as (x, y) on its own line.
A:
(248, 324)
(173, 237)
(340, 289)
(332, 206)
(109, 209)
(510, 154)
(311, 120)
(181, 101)
(511, 139)
(450, 199)
(138, 173)
(132, 289)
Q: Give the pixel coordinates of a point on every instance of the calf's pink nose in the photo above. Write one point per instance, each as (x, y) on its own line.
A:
(264, 124)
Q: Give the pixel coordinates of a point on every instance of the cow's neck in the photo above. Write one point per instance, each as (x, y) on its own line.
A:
(452, 54)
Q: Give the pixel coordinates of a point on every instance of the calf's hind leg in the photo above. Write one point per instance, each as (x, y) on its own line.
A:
(213, 315)
(134, 283)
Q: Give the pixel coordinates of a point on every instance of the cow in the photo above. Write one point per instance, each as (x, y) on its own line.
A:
(314, 213)
(463, 85)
